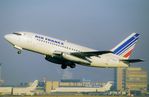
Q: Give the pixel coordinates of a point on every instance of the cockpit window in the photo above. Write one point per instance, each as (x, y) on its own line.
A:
(17, 33)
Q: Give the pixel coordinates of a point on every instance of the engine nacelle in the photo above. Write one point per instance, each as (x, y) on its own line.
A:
(74, 59)
(53, 60)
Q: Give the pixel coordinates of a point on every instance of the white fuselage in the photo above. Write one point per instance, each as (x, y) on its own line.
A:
(48, 46)
(23, 91)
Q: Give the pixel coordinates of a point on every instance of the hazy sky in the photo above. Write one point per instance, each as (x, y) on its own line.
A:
(98, 24)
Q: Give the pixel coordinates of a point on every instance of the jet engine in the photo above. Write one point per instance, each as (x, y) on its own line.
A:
(74, 59)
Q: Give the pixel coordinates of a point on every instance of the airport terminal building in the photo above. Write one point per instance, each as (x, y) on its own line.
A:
(71, 83)
(136, 79)
(132, 79)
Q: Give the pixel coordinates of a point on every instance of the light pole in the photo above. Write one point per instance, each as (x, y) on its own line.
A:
(1, 81)
(0, 71)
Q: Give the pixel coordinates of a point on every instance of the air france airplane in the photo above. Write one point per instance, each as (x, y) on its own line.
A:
(69, 54)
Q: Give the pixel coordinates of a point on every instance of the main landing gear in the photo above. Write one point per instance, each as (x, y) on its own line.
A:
(64, 66)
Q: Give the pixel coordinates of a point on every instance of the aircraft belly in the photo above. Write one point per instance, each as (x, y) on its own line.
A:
(105, 63)
(98, 62)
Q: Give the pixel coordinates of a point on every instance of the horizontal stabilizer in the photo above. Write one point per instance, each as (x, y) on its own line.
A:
(132, 60)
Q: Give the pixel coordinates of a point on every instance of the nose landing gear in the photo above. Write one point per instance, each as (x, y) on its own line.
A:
(19, 52)
(18, 48)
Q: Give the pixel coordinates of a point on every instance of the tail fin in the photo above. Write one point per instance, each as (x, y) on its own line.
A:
(126, 47)
(34, 84)
(108, 85)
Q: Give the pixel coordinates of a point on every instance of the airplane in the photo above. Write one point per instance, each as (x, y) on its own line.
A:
(19, 90)
(25, 90)
(102, 89)
(69, 54)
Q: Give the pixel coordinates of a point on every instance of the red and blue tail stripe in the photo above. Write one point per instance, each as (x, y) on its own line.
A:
(126, 47)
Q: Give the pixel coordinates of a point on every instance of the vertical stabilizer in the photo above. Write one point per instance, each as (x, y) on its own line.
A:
(108, 86)
(126, 47)
(34, 85)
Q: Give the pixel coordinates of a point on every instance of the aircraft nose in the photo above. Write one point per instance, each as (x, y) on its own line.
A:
(7, 37)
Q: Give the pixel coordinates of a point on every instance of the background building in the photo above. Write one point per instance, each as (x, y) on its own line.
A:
(70, 83)
(119, 79)
(52, 85)
(132, 79)
(136, 79)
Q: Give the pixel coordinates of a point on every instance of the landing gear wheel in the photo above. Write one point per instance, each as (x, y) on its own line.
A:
(63, 66)
(19, 52)
(72, 66)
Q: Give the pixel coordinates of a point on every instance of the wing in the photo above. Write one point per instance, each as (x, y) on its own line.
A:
(132, 60)
(89, 54)
(82, 55)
